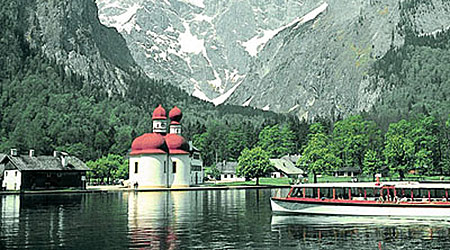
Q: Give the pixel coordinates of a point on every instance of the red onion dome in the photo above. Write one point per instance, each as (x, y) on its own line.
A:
(159, 113)
(177, 144)
(175, 115)
(150, 143)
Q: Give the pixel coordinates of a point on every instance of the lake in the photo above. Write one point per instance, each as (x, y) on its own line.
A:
(225, 219)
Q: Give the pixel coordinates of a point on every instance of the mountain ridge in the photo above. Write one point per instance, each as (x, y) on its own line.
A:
(321, 67)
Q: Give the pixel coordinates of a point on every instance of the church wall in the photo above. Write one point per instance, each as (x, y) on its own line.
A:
(183, 171)
(150, 170)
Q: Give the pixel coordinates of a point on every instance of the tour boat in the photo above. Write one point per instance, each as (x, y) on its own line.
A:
(366, 198)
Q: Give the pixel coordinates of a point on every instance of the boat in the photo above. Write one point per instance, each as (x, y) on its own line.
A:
(366, 199)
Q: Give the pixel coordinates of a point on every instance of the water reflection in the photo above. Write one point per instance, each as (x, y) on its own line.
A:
(10, 213)
(147, 226)
(364, 232)
(225, 219)
(212, 219)
(59, 221)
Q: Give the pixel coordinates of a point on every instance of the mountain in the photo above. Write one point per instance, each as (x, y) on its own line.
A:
(309, 58)
(69, 83)
(326, 66)
(70, 34)
(206, 47)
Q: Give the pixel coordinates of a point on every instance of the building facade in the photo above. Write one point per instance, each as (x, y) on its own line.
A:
(197, 173)
(227, 171)
(160, 159)
(30, 172)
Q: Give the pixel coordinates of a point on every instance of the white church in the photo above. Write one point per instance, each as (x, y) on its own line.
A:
(164, 160)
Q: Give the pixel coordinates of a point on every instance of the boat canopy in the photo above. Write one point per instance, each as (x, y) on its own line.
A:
(404, 184)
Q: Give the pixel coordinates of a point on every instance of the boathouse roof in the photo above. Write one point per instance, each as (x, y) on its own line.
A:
(43, 163)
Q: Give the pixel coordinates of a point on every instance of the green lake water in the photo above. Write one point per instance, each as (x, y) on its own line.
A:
(226, 219)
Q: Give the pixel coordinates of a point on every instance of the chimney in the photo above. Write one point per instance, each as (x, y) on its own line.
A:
(31, 153)
(13, 152)
(63, 156)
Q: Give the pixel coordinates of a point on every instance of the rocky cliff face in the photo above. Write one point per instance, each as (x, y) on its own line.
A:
(206, 47)
(70, 34)
(322, 67)
(305, 57)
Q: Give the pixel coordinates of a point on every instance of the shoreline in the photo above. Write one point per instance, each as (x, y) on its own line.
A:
(109, 189)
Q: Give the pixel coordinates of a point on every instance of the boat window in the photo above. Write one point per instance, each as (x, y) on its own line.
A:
(297, 192)
(326, 193)
(416, 194)
(437, 194)
(404, 193)
(372, 192)
(423, 193)
(340, 193)
(360, 192)
(311, 192)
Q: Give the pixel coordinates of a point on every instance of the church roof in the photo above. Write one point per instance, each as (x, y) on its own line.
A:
(159, 113)
(149, 143)
(156, 143)
(177, 144)
(175, 115)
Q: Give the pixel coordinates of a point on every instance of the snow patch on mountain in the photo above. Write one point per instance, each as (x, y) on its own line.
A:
(198, 3)
(122, 22)
(190, 43)
(294, 108)
(198, 92)
(221, 99)
(313, 14)
(212, 43)
(255, 44)
(247, 103)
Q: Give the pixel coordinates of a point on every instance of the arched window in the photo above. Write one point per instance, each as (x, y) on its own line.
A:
(174, 167)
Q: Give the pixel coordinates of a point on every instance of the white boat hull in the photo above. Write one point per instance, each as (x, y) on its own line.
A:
(280, 206)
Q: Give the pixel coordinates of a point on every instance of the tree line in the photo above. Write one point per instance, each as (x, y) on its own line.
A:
(420, 145)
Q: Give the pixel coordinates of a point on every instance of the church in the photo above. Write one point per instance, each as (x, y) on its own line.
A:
(163, 160)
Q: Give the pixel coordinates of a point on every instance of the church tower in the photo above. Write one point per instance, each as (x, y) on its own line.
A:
(148, 163)
(159, 120)
(178, 150)
(175, 116)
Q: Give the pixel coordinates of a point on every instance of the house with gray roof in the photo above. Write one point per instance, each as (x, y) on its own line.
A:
(347, 172)
(31, 172)
(228, 171)
(285, 167)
